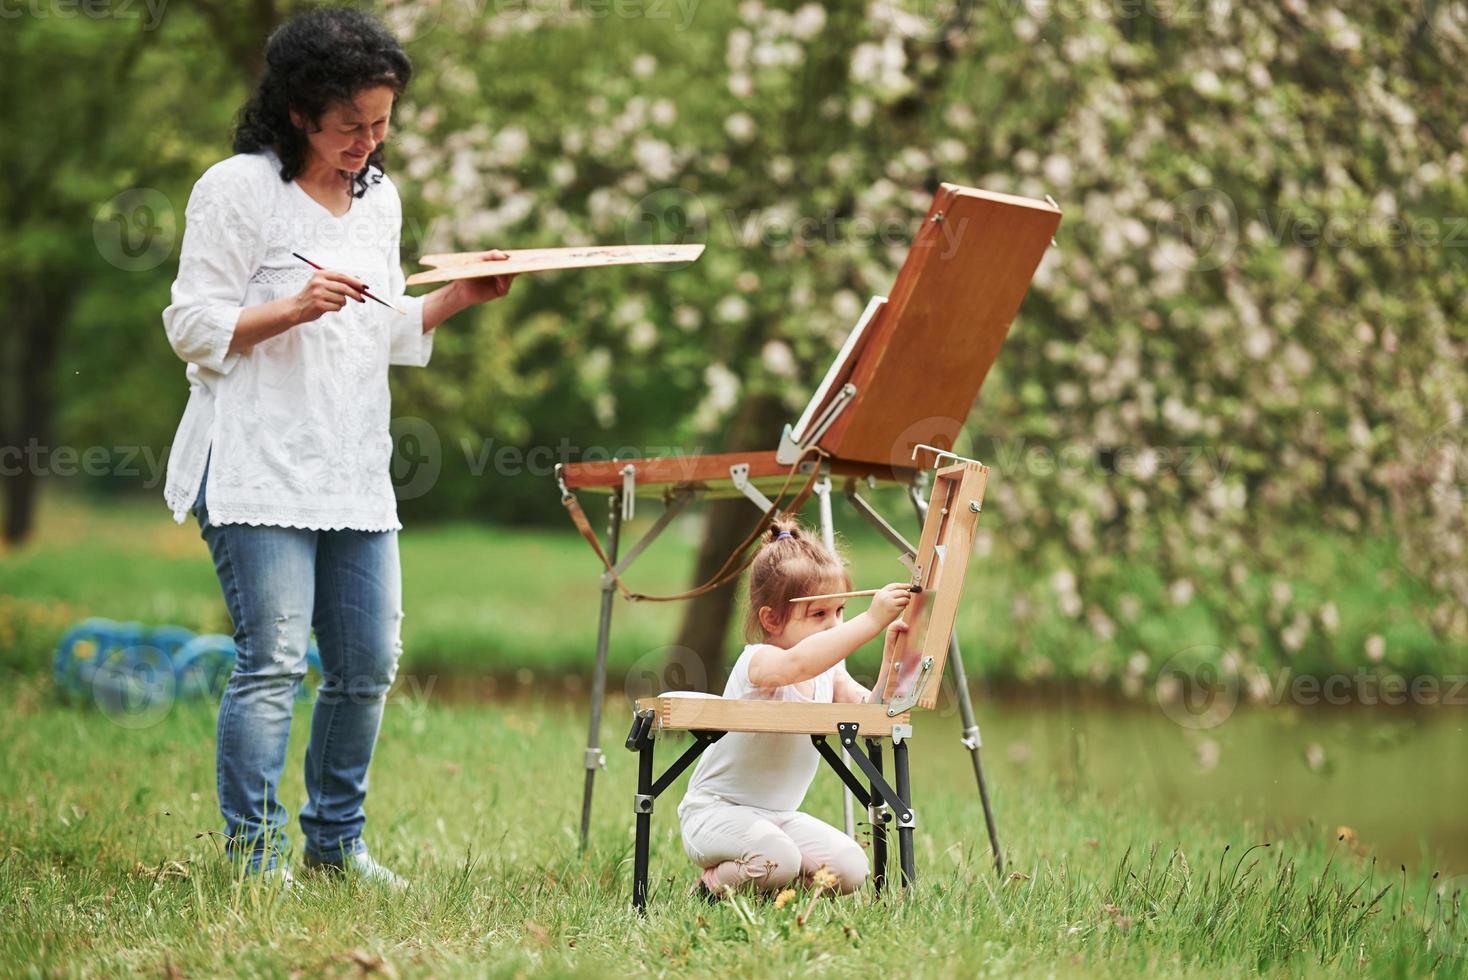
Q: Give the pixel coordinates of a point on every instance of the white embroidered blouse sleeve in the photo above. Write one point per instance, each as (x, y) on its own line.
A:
(410, 346)
(222, 247)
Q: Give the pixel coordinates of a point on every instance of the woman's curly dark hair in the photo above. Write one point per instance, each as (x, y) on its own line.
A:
(318, 58)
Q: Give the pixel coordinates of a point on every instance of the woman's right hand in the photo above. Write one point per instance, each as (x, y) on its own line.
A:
(326, 292)
(888, 604)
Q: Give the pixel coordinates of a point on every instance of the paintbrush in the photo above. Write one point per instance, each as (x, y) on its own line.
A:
(364, 292)
(849, 595)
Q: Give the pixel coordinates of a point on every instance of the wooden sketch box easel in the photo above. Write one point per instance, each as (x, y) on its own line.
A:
(904, 382)
(912, 671)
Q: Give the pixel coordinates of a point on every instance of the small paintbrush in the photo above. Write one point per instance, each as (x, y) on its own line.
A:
(364, 292)
(850, 595)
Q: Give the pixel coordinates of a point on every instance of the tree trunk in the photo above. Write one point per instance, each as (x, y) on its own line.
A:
(706, 619)
(40, 311)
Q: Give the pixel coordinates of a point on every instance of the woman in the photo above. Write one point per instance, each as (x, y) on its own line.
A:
(283, 452)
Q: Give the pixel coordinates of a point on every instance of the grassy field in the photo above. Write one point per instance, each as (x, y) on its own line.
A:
(109, 862)
(110, 856)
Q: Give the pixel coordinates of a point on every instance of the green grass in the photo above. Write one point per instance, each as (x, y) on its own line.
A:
(109, 863)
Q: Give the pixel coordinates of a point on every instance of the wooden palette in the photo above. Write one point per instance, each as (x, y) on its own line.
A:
(449, 266)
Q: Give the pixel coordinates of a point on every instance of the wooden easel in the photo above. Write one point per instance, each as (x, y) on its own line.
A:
(907, 377)
(912, 671)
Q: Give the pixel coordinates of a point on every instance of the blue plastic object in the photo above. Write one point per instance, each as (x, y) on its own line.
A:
(133, 672)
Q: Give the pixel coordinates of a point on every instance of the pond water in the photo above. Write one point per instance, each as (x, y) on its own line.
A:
(1398, 778)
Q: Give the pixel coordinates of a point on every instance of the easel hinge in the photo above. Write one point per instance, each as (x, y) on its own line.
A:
(739, 473)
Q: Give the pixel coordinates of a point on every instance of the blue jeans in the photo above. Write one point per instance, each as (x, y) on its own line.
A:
(279, 583)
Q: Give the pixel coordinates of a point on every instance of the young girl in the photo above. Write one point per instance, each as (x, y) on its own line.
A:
(740, 818)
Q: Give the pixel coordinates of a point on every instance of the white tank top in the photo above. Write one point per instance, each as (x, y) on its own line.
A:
(771, 772)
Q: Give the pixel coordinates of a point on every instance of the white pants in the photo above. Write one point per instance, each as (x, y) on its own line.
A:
(769, 848)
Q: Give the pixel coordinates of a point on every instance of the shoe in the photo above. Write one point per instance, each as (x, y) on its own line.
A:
(280, 875)
(277, 877)
(359, 865)
(703, 892)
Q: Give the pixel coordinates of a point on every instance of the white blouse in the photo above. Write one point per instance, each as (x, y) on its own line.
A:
(295, 429)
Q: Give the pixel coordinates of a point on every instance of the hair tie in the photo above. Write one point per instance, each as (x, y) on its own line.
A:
(783, 535)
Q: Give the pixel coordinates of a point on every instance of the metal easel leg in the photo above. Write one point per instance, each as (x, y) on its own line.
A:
(593, 758)
(973, 742)
(879, 813)
(970, 737)
(640, 740)
(642, 807)
(822, 490)
(904, 827)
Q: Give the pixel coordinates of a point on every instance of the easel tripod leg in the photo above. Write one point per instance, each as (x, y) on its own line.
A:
(972, 742)
(593, 757)
(878, 817)
(904, 827)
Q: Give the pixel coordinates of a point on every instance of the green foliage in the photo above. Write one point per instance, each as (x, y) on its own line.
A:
(1251, 323)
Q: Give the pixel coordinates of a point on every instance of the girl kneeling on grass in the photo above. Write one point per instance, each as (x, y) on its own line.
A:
(740, 818)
